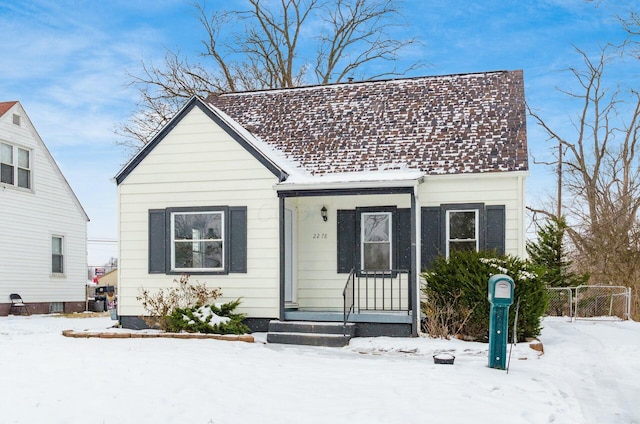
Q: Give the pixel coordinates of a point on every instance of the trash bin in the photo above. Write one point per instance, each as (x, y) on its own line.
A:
(98, 305)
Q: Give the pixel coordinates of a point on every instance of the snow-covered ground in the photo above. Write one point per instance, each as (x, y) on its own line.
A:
(589, 373)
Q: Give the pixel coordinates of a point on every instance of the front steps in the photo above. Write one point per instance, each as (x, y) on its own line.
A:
(330, 334)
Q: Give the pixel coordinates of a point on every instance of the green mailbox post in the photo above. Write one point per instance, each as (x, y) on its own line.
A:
(501, 297)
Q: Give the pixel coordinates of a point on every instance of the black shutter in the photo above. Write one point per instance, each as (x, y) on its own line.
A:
(495, 230)
(431, 237)
(238, 239)
(403, 238)
(346, 240)
(157, 241)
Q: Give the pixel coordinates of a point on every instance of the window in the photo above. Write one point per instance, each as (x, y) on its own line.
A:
(16, 119)
(376, 240)
(462, 230)
(15, 165)
(460, 226)
(373, 239)
(57, 255)
(197, 241)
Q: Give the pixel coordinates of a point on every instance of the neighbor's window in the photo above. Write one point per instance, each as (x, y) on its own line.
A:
(197, 240)
(15, 165)
(57, 254)
(376, 240)
(462, 230)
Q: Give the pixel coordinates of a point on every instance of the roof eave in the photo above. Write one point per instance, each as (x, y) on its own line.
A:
(348, 185)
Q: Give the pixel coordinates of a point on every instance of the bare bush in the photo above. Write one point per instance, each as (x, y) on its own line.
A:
(160, 304)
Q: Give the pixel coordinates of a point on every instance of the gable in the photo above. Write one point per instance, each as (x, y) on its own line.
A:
(237, 134)
(438, 125)
(25, 135)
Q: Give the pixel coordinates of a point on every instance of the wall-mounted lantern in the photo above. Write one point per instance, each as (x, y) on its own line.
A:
(323, 212)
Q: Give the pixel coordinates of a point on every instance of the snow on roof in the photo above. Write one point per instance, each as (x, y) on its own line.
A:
(437, 125)
(380, 178)
(270, 153)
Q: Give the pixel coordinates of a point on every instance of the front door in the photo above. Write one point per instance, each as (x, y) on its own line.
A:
(290, 231)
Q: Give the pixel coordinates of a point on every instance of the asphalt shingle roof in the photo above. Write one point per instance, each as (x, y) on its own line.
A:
(5, 106)
(439, 125)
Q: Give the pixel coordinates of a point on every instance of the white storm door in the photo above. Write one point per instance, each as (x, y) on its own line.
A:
(290, 231)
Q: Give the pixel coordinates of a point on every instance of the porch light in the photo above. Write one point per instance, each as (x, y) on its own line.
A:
(323, 212)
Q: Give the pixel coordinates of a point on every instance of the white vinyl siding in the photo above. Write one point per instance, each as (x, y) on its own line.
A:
(196, 165)
(31, 217)
(499, 188)
(319, 285)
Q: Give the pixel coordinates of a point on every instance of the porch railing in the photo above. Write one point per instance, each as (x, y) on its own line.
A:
(376, 290)
(348, 296)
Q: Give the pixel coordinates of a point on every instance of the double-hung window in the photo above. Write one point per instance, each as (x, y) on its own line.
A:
(15, 165)
(375, 244)
(57, 255)
(462, 230)
(197, 241)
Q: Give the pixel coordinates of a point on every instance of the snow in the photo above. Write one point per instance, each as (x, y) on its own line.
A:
(589, 373)
(204, 312)
(360, 176)
(279, 159)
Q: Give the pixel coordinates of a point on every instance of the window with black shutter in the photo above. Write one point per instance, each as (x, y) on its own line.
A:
(198, 240)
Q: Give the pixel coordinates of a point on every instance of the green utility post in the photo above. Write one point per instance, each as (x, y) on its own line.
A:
(501, 297)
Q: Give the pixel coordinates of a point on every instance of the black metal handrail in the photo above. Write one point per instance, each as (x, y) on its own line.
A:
(384, 290)
(348, 298)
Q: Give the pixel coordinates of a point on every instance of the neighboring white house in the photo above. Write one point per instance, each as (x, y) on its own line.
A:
(325, 202)
(43, 249)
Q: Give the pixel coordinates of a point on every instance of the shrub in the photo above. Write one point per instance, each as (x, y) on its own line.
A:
(456, 288)
(218, 319)
(161, 304)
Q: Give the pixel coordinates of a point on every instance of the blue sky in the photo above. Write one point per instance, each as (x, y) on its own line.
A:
(67, 61)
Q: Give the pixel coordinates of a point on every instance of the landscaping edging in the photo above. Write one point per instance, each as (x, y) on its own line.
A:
(124, 335)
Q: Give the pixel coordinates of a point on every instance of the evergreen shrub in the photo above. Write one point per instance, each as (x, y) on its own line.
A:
(456, 289)
(217, 319)
(190, 307)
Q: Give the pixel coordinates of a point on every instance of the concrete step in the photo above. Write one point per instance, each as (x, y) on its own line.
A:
(309, 339)
(310, 333)
(315, 327)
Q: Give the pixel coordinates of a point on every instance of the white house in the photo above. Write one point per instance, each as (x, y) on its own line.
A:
(323, 203)
(43, 249)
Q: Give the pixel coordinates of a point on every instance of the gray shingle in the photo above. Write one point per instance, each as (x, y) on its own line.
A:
(439, 125)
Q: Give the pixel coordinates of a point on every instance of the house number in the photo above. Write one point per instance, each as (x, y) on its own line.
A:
(320, 235)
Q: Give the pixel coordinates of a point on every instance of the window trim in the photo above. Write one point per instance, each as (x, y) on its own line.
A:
(447, 237)
(389, 241)
(171, 212)
(392, 210)
(62, 255)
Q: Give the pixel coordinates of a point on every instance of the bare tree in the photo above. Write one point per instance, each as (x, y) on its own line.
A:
(601, 174)
(631, 24)
(275, 44)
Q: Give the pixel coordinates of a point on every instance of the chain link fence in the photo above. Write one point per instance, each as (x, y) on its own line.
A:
(613, 302)
(560, 301)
